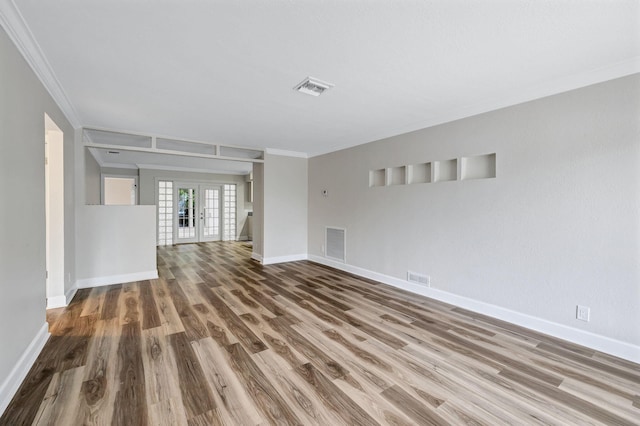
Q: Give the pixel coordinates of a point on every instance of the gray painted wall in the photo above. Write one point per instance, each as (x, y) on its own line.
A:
(92, 179)
(558, 226)
(23, 103)
(258, 210)
(119, 171)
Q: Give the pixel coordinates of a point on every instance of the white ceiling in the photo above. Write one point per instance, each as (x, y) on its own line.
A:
(223, 71)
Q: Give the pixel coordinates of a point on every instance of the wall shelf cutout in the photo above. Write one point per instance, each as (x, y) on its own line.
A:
(419, 173)
(479, 167)
(445, 170)
(377, 177)
(463, 168)
(397, 175)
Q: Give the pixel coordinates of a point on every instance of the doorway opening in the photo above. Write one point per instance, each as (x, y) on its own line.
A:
(119, 190)
(54, 214)
(192, 212)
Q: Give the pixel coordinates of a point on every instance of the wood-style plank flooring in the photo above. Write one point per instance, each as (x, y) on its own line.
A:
(220, 339)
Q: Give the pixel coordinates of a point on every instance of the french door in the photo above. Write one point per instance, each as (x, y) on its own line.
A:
(198, 212)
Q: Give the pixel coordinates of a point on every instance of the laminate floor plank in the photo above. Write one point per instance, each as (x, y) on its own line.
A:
(93, 304)
(621, 406)
(233, 401)
(196, 393)
(168, 315)
(130, 406)
(193, 327)
(592, 410)
(334, 398)
(167, 413)
(150, 316)
(99, 386)
(61, 400)
(129, 310)
(215, 325)
(503, 400)
(264, 394)
(220, 339)
(160, 367)
(233, 323)
(302, 344)
(427, 374)
(297, 393)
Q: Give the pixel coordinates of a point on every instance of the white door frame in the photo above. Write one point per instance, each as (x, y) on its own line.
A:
(54, 215)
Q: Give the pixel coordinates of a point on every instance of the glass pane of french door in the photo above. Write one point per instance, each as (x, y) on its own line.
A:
(187, 216)
(210, 214)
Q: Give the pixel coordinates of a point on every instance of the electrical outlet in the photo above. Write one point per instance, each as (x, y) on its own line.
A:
(322, 249)
(583, 313)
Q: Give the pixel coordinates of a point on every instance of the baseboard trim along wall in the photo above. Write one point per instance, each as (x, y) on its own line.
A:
(10, 386)
(256, 256)
(283, 259)
(71, 292)
(116, 279)
(594, 341)
(56, 302)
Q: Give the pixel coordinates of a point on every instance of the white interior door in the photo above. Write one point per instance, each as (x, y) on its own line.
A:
(210, 202)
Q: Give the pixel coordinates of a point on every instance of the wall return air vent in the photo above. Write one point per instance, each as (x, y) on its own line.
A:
(313, 86)
(335, 242)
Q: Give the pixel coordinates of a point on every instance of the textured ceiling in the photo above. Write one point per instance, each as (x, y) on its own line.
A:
(223, 71)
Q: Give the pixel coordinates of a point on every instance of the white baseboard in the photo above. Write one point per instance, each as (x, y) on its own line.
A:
(56, 302)
(594, 341)
(256, 256)
(283, 259)
(71, 292)
(116, 279)
(10, 386)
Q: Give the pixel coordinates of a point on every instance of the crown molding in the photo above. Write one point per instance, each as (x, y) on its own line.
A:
(18, 31)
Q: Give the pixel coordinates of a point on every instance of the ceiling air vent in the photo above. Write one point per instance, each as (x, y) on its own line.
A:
(312, 86)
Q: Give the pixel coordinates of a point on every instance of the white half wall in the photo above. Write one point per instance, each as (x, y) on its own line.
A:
(558, 226)
(115, 244)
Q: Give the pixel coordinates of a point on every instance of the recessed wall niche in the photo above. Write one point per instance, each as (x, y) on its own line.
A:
(419, 173)
(471, 167)
(377, 177)
(397, 175)
(479, 167)
(445, 170)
